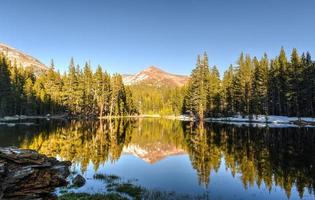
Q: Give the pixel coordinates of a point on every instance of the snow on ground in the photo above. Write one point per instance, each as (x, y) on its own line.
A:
(19, 117)
(261, 125)
(14, 124)
(259, 120)
(12, 121)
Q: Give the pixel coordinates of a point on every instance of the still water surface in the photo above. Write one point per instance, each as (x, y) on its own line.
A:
(222, 161)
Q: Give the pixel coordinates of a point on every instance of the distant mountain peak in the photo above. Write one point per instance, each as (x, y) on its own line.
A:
(23, 59)
(153, 68)
(155, 76)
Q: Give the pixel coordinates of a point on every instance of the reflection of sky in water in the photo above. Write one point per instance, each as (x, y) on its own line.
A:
(273, 155)
(175, 173)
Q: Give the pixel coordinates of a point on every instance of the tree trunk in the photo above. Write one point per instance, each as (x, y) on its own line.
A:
(101, 110)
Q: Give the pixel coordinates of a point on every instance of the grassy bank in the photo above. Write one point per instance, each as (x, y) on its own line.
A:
(118, 189)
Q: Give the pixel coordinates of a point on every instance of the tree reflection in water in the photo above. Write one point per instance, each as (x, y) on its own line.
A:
(285, 157)
(282, 157)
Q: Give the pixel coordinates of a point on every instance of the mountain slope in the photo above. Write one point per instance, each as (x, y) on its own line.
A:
(152, 153)
(22, 58)
(155, 76)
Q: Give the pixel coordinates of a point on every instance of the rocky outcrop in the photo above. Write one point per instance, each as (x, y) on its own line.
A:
(26, 174)
(23, 59)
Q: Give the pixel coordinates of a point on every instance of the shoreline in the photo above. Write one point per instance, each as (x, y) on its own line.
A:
(237, 119)
(270, 120)
(23, 117)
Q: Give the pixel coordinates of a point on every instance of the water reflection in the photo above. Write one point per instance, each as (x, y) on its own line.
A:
(284, 157)
(270, 157)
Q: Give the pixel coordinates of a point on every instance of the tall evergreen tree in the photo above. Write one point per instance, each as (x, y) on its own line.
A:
(242, 84)
(283, 83)
(88, 93)
(71, 89)
(198, 89)
(307, 87)
(258, 103)
(102, 90)
(227, 87)
(294, 95)
(5, 87)
(17, 77)
(118, 96)
(214, 93)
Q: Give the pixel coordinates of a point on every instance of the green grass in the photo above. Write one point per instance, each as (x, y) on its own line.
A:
(108, 178)
(118, 189)
(130, 189)
(115, 184)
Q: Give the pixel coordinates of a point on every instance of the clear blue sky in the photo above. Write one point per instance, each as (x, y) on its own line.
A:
(126, 36)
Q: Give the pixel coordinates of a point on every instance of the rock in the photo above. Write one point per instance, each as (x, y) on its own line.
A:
(78, 181)
(26, 174)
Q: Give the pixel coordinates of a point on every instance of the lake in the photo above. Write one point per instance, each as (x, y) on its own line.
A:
(219, 161)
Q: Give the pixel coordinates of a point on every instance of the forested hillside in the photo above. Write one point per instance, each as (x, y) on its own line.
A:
(78, 92)
(280, 86)
(156, 91)
(163, 100)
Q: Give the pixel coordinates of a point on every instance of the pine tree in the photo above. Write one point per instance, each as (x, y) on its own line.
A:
(227, 87)
(283, 83)
(17, 81)
(53, 86)
(118, 96)
(71, 89)
(130, 106)
(294, 84)
(88, 100)
(177, 100)
(273, 88)
(246, 77)
(259, 83)
(242, 84)
(198, 88)
(214, 92)
(308, 86)
(5, 87)
(30, 107)
(41, 95)
(102, 90)
(187, 102)
(237, 93)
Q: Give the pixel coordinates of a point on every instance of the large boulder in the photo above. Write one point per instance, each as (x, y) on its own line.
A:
(78, 181)
(26, 174)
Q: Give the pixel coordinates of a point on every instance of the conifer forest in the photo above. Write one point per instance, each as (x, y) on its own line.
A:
(284, 85)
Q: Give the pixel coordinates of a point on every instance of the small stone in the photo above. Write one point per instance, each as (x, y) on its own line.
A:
(2, 168)
(78, 181)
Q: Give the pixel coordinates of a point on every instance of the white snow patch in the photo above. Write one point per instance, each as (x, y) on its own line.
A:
(271, 120)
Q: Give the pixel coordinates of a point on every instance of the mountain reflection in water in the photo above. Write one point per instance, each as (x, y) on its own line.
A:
(263, 157)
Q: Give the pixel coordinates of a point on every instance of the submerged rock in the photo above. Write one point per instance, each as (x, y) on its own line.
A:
(78, 181)
(26, 174)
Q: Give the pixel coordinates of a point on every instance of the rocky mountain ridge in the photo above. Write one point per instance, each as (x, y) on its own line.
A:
(21, 58)
(155, 76)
